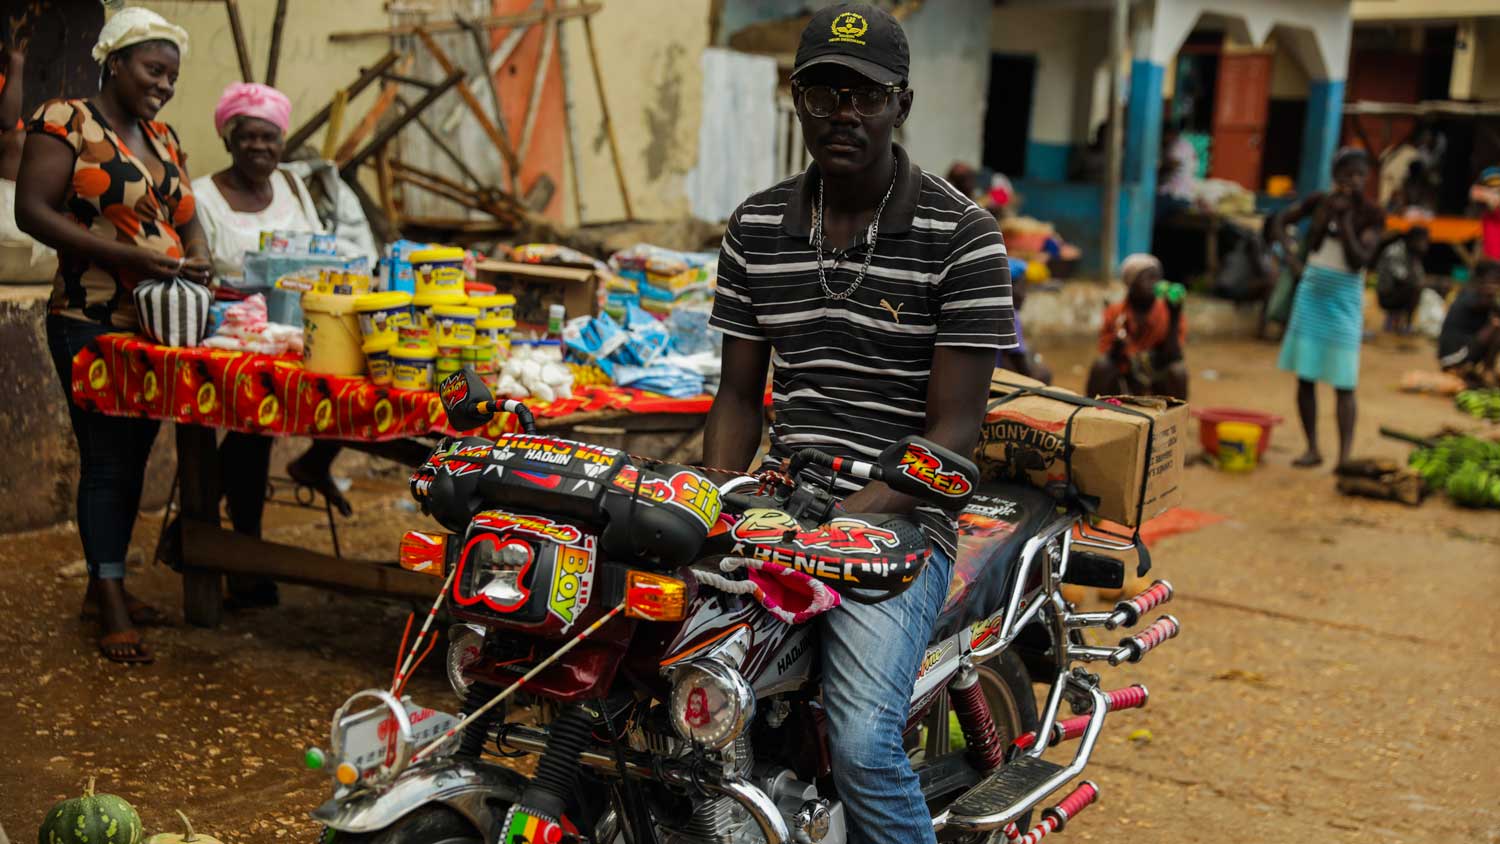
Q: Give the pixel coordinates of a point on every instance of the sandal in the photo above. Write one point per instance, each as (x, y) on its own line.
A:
(323, 485)
(125, 646)
(141, 613)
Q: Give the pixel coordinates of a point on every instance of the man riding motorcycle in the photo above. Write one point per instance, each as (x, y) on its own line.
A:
(882, 295)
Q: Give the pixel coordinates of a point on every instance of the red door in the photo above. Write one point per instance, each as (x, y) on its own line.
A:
(1240, 103)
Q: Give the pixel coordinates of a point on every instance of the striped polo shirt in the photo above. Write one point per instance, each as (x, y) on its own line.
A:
(850, 376)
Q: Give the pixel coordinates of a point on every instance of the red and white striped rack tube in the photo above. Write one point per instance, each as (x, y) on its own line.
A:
(1055, 818)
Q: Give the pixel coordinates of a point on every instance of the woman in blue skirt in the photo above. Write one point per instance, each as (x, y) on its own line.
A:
(1322, 339)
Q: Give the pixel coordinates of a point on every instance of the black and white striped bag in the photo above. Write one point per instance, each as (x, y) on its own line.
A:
(173, 312)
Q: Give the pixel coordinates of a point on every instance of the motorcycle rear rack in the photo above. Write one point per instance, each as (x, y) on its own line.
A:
(1020, 784)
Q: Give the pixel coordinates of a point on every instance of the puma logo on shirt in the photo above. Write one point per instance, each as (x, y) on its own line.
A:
(895, 312)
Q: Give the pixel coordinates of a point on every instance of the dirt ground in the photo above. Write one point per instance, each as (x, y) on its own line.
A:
(1335, 678)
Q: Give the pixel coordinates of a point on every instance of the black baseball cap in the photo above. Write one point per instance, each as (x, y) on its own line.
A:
(858, 36)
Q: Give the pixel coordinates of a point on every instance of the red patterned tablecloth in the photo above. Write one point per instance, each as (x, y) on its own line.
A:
(124, 375)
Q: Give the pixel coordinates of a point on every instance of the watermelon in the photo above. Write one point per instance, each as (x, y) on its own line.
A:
(190, 838)
(91, 819)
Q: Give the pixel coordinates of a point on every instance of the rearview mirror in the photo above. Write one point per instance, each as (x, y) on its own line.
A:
(467, 400)
(920, 467)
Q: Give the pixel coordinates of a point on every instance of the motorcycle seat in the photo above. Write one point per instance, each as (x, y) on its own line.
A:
(992, 530)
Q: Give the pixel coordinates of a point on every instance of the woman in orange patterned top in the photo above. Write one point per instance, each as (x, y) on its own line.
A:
(105, 185)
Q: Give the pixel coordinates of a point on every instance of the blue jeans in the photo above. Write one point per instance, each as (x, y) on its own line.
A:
(112, 454)
(870, 659)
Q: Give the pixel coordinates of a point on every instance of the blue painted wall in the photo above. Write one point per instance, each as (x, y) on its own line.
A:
(1047, 162)
(1142, 153)
(1320, 134)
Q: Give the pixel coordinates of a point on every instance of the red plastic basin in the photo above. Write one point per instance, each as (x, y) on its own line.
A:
(1210, 417)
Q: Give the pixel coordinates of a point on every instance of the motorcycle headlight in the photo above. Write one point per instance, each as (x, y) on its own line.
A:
(711, 704)
(465, 644)
(495, 572)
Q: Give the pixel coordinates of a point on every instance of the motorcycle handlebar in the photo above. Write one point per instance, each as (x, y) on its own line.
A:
(838, 465)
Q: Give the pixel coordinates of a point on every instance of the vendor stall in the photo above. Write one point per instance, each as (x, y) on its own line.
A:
(204, 390)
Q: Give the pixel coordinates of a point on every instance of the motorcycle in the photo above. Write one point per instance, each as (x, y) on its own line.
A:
(671, 706)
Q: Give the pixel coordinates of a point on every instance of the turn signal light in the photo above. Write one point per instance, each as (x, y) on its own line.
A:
(424, 552)
(655, 597)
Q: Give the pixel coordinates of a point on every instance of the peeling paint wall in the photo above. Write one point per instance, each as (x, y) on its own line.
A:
(649, 55)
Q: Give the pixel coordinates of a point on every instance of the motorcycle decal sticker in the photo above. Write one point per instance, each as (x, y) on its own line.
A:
(932, 658)
(454, 389)
(845, 535)
(696, 714)
(572, 582)
(528, 826)
(455, 464)
(866, 571)
(927, 468)
(541, 480)
(983, 632)
(684, 490)
(538, 526)
(557, 452)
(989, 518)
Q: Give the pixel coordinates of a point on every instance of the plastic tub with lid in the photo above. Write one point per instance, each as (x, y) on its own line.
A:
(439, 270)
(454, 324)
(331, 340)
(411, 367)
(378, 360)
(501, 306)
(381, 314)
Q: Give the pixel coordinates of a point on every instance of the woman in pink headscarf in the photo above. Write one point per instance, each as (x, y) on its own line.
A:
(250, 196)
(235, 205)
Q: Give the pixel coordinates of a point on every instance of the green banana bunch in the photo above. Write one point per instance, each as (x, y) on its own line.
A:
(1467, 468)
(1481, 404)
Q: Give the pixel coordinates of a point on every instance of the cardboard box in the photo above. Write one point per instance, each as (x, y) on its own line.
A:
(539, 286)
(1116, 451)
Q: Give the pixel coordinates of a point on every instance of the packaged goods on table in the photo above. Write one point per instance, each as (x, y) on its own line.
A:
(500, 306)
(666, 279)
(439, 270)
(244, 327)
(412, 367)
(636, 354)
(535, 368)
(331, 340)
(378, 360)
(381, 315)
(454, 324)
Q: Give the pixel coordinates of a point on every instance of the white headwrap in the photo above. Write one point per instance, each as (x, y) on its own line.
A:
(1135, 264)
(134, 26)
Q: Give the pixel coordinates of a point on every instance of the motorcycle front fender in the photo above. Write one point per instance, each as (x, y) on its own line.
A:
(475, 790)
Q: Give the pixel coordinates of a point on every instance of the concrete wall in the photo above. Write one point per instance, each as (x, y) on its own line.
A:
(950, 73)
(311, 68)
(1070, 45)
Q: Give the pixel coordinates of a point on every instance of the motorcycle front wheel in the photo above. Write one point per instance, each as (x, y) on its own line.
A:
(428, 825)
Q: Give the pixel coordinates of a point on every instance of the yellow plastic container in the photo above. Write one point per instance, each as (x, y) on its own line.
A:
(411, 367)
(378, 360)
(423, 303)
(488, 332)
(1239, 446)
(414, 335)
(381, 314)
(331, 341)
(439, 270)
(501, 306)
(454, 324)
(446, 367)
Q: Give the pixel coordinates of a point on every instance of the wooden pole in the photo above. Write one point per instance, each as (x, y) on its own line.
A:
(442, 146)
(493, 22)
(366, 76)
(609, 126)
(508, 155)
(477, 35)
(335, 123)
(278, 23)
(238, 30)
(386, 187)
(1109, 240)
(572, 146)
(538, 83)
(371, 119)
(394, 128)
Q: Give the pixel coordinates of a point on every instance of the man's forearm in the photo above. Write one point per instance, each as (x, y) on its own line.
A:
(732, 434)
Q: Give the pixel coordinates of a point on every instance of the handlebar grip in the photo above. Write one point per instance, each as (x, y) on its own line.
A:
(1127, 613)
(1137, 646)
(511, 406)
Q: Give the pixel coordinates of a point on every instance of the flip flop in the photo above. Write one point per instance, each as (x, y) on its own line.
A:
(141, 614)
(112, 645)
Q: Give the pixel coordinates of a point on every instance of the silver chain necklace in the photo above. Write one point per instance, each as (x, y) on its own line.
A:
(817, 243)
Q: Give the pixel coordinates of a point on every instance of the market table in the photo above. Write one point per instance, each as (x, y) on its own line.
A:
(204, 390)
(1460, 233)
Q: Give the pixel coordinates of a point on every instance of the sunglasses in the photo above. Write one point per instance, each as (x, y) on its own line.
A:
(868, 100)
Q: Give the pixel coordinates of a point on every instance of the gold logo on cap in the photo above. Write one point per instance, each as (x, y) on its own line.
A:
(848, 28)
